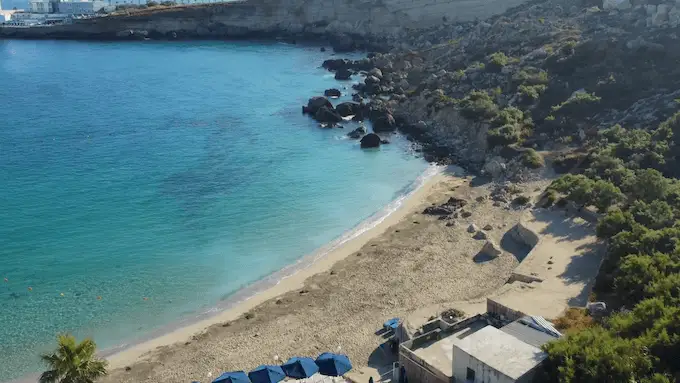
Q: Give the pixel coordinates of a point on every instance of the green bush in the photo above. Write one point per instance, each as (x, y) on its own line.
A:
(641, 270)
(508, 127)
(478, 105)
(531, 76)
(550, 196)
(504, 135)
(497, 61)
(584, 191)
(613, 223)
(579, 98)
(458, 75)
(532, 159)
(532, 92)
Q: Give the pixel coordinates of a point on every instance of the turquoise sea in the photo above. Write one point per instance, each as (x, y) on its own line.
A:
(145, 183)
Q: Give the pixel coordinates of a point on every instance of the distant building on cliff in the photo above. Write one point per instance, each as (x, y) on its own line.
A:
(66, 7)
(80, 7)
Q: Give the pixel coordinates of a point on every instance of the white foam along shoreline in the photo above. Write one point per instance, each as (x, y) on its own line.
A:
(286, 279)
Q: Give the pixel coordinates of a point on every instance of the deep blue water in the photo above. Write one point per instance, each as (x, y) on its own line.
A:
(146, 182)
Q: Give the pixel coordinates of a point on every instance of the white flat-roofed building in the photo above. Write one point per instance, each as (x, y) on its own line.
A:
(494, 356)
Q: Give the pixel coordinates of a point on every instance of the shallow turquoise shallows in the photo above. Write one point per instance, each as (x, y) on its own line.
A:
(147, 182)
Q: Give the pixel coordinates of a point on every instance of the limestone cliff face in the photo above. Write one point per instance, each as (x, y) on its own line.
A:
(378, 19)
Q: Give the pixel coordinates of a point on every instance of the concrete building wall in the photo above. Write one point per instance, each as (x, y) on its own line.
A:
(41, 6)
(81, 7)
(483, 373)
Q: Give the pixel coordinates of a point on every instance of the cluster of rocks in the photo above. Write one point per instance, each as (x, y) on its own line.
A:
(322, 110)
(618, 50)
(490, 248)
(449, 210)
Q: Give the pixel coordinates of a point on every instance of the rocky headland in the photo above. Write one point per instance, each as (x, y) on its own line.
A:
(542, 78)
(345, 24)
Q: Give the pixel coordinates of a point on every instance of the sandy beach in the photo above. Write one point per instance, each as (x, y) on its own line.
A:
(408, 263)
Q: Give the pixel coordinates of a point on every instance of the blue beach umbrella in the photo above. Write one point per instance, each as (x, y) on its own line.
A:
(232, 377)
(300, 367)
(267, 374)
(391, 324)
(331, 364)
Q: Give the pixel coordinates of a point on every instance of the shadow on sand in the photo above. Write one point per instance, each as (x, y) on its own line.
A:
(518, 249)
(382, 358)
(562, 226)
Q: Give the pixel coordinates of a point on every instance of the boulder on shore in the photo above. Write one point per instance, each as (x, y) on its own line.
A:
(480, 235)
(315, 103)
(375, 72)
(371, 140)
(437, 210)
(343, 74)
(357, 133)
(327, 115)
(335, 64)
(456, 203)
(491, 249)
(333, 93)
(372, 80)
(384, 123)
(348, 108)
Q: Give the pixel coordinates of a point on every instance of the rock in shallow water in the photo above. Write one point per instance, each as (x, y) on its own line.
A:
(333, 93)
(348, 108)
(327, 115)
(357, 133)
(315, 103)
(371, 140)
(343, 74)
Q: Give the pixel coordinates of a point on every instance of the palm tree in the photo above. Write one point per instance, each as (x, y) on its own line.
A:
(73, 362)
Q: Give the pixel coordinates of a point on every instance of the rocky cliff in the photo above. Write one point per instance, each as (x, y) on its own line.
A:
(544, 76)
(342, 20)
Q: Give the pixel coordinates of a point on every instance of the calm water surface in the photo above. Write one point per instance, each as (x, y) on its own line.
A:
(141, 183)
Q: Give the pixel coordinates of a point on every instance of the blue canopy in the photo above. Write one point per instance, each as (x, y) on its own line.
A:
(300, 367)
(267, 374)
(333, 364)
(232, 377)
(391, 324)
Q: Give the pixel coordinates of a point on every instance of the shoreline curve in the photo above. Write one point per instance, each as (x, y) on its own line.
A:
(284, 280)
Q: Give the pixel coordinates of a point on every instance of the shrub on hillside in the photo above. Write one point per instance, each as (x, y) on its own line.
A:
(531, 92)
(479, 106)
(532, 159)
(497, 61)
